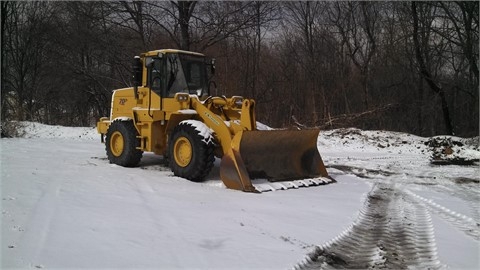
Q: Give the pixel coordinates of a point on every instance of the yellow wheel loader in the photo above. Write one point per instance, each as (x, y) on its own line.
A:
(169, 111)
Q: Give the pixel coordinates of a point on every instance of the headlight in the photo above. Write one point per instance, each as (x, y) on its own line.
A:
(182, 97)
(237, 101)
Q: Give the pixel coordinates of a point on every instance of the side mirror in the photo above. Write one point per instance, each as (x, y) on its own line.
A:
(137, 71)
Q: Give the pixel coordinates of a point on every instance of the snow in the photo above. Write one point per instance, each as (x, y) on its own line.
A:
(455, 248)
(452, 150)
(187, 111)
(261, 126)
(64, 206)
(122, 118)
(203, 130)
(37, 130)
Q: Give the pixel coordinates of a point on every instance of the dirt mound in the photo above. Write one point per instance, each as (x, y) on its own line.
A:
(453, 150)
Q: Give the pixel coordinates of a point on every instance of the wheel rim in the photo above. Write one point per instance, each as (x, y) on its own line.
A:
(182, 151)
(117, 143)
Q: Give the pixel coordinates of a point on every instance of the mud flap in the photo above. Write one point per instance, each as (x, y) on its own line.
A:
(275, 155)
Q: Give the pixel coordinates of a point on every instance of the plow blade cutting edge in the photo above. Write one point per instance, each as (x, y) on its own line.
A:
(274, 159)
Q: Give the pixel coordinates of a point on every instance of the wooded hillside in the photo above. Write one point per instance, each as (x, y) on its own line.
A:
(403, 66)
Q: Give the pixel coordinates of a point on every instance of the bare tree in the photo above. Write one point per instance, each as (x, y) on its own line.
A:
(357, 24)
(401, 66)
(24, 41)
(195, 25)
(303, 16)
(462, 29)
(6, 10)
(422, 30)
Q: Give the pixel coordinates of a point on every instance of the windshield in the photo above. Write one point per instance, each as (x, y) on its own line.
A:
(187, 74)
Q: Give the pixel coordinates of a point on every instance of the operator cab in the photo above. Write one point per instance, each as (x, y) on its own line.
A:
(174, 71)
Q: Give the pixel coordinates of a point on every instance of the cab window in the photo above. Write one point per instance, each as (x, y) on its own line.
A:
(155, 76)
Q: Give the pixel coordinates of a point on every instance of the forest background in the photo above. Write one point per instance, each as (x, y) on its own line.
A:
(401, 66)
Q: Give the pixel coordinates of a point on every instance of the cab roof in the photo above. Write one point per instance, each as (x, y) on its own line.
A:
(167, 51)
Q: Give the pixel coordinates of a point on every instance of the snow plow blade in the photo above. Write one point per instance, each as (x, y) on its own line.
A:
(274, 159)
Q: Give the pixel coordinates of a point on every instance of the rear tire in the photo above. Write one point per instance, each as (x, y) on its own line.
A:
(121, 144)
(191, 155)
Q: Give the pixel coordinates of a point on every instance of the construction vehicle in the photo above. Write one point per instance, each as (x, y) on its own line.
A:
(169, 111)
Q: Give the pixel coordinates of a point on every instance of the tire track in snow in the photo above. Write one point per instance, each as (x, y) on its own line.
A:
(454, 186)
(466, 224)
(466, 192)
(39, 225)
(160, 219)
(393, 230)
(470, 195)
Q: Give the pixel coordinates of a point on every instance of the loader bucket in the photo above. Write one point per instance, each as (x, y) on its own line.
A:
(289, 157)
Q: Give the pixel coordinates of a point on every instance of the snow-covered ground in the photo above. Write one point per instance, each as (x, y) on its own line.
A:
(64, 206)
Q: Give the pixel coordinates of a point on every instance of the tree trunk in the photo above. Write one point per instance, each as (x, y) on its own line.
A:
(185, 10)
(426, 74)
(4, 11)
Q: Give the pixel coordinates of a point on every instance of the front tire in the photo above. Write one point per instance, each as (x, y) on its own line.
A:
(121, 144)
(191, 152)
